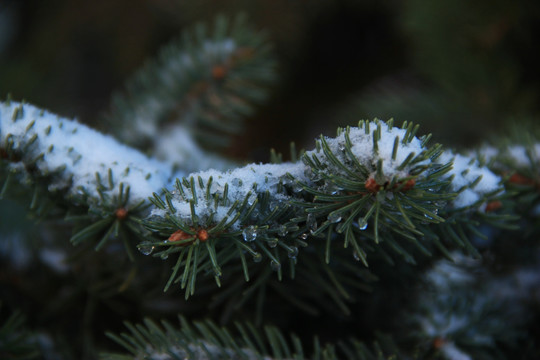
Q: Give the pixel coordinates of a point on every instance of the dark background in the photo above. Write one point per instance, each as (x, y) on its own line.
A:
(463, 69)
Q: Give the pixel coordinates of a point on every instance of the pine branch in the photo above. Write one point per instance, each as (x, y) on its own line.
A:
(374, 188)
(204, 84)
(91, 176)
(464, 312)
(375, 175)
(205, 340)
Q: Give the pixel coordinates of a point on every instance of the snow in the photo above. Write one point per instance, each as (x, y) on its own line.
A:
(244, 182)
(363, 148)
(15, 249)
(198, 349)
(452, 352)
(441, 324)
(464, 173)
(55, 259)
(446, 274)
(487, 153)
(76, 153)
(519, 155)
(177, 146)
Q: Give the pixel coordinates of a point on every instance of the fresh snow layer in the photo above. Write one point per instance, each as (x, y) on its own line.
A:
(177, 146)
(362, 148)
(465, 171)
(82, 151)
(452, 352)
(244, 182)
(522, 156)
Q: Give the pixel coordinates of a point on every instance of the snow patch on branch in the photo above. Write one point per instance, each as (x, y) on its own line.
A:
(243, 183)
(469, 179)
(524, 157)
(363, 148)
(177, 146)
(75, 153)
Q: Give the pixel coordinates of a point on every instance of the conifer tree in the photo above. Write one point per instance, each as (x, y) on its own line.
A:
(373, 243)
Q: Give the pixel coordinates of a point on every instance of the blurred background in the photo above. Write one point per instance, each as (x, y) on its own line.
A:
(463, 69)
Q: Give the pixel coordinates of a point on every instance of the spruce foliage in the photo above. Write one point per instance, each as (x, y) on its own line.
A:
(374, 243)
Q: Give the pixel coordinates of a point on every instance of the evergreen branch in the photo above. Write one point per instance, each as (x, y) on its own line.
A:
(89, 173)
(462, 322)
(205, 340)
(228, 66)
(475, 185)
(373, 174)
(74, 158)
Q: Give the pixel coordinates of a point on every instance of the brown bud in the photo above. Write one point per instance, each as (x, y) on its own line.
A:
(519, 179)
(202, 235)
(372, 186)
(493, 205)
(219, 72)
(121, 213)
(439, 342)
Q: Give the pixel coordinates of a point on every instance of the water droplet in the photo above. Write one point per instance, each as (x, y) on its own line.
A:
(236, 182)
(436, 211)
(334, 218)
(146, 248)
(272, 243)
(293, 253)
(164, 256)
(303, 236)
(356, 256)
(250, 233)
(282, 230)
(311, 223)
(439, 204)
(257, 258)
(275, 265)
(362, 224)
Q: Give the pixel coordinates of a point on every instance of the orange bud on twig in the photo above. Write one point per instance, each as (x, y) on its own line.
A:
(493, 205)
(372, 186)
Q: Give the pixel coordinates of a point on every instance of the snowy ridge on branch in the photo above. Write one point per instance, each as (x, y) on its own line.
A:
(370, 152)
(519, 156)
(401, 154)
(243, 183)
(177, 146)
(523, 156)
(469, 179)
(77, 155)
